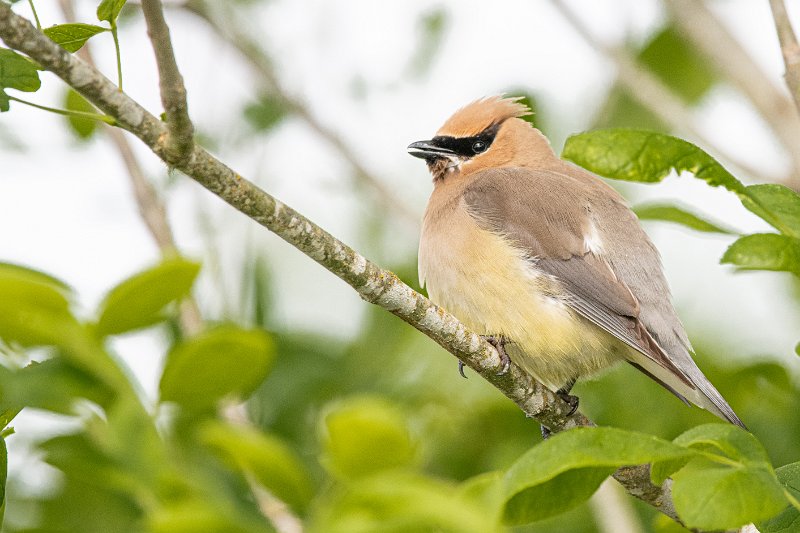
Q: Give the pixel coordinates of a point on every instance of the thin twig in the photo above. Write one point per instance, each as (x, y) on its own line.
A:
(650, 92)
(180, 138)
(254, 53)
(789, 47)
(373, 284)
(35, 15)
(696, 21)
(149, 204)
(66, 112)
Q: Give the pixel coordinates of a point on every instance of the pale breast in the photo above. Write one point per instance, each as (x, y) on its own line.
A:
(495, 290)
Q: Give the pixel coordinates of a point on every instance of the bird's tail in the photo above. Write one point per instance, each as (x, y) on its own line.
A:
(690, 385)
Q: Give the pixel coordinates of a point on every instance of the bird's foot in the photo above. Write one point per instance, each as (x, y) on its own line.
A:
(572, 401)
(499, 344)
(546, 432)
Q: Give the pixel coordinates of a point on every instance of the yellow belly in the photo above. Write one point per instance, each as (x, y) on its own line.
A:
(491, 287)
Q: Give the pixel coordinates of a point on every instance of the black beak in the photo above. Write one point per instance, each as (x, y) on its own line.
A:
(428, 150)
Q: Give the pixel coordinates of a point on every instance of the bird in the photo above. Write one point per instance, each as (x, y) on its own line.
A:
(546, 260)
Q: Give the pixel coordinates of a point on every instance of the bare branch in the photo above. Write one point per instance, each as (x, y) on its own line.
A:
(659, 99)
(696, 21)
(789, 47)
(151, 208)
(373, 284)
(254, 53)
(180, 137)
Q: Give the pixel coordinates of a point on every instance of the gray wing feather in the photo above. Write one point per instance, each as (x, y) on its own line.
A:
(624, 292)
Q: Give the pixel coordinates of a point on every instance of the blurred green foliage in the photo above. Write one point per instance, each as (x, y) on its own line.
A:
(678, 65)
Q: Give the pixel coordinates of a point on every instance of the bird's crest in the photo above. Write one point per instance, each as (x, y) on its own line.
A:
(476, 116)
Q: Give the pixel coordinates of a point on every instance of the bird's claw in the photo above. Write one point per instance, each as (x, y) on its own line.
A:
(499, 344)
(572, 401)
(461, 369)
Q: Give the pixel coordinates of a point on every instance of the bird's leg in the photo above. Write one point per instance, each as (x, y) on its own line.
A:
(571, 400)
(499, 344)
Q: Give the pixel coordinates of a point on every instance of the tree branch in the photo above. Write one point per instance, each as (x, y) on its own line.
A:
(789, 47)
(696, 21)
(252, 51)
(151, 209)
(373, 284)
(180, 136)
(649, 91)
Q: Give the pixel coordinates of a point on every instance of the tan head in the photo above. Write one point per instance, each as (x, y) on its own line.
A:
(487, 133)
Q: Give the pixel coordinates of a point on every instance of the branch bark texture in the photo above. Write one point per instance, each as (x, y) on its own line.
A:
(180, 136)
(373, 284)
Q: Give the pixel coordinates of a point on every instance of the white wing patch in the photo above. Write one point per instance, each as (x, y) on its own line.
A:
(591, 240)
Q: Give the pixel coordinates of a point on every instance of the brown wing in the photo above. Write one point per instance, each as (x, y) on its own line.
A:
(621, 289)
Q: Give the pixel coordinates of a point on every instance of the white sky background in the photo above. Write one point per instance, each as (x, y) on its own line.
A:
(66, 208)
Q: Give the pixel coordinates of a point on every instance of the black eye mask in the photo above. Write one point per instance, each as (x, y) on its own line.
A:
(467, 146)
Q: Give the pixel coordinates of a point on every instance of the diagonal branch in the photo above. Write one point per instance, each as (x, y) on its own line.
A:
(373, 284)
(789, 47)
(180, 136)
(151, 209)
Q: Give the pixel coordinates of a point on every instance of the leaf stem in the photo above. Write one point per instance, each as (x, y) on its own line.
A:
(69, 113)
(35, 15)
(792, 499)
(119, 57)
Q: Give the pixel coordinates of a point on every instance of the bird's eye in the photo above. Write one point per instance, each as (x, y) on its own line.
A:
(478, 147)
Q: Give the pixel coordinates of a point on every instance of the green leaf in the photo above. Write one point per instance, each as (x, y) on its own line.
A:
(398, 502)
(364, 435)
(34, 309)
(648, 157)
(3, 477)
(725, 440)
(108, 10)
(673, 59)
(679, 66)
(7, 415)
(765, 251)
(16, 72)
(789, 519)
(644, 156)
(678, 215)
(485, 490)
(53, 384)
(567, 469)
(267, 458)
(777, 204)
(82, 127)
(731, 485)
(73, 36)
(138, 301)
(266, 113)
(5, 101)
(224, 361)
(711, 496)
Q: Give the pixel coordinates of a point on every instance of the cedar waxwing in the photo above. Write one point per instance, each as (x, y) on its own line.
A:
(546, 260)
